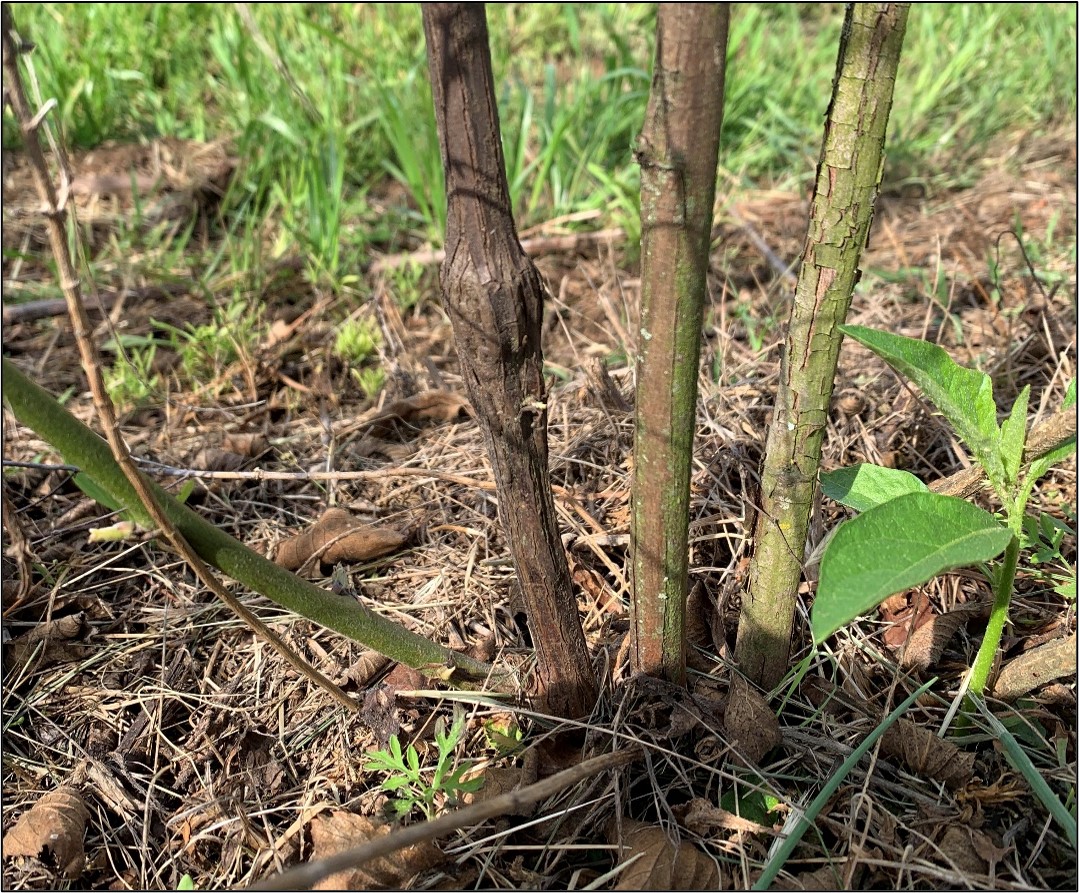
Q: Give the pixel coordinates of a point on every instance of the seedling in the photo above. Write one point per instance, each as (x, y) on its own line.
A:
(907, 534)
(416, 786)
(357, 340)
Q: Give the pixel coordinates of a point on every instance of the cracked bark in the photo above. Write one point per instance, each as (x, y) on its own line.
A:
(493, 295)
(848, 174)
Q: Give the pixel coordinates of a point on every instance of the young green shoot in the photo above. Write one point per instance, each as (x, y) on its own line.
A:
(415, 786)
(907, 534)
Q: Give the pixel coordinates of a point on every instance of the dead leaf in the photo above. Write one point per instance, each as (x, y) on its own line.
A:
(498, 780)
(340, 830)
(337, 536)
(247, 445)
(51, 831)
(927, 643)
(750, 723)
(699, 609)
(705, 818)
(958, 847)
(1036, 667)
(897, 610)
(365, 668)
(824, 878)
(429, 406)
(404, 678)
(57, 640)
(660, 864)
(380, 713)
(217, 459)
(927, 755)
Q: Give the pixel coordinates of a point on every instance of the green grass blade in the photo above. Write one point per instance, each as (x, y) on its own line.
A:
(1022, 763)
(783, 852)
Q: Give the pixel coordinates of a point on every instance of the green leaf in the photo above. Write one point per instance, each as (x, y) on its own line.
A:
(863, 486)
(895, 546)
(96, 492)
(413, 759)
(185, 491)
(394, 782)
(1013, 437)
(964, 396)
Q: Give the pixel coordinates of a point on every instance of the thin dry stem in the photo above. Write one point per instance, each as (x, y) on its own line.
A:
(55, 213)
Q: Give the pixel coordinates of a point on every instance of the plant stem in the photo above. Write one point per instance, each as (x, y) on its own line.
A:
(494, 296)
(848, 174)
(35, 407)
(677, 151)
(1004, 579)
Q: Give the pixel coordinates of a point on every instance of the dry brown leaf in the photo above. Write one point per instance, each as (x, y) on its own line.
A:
(699, 609)
(217, 459)
(429, 406)
(247, 445)
(897, 611)
(925, 646)
(339, 830)
(1036, 667)
(51, 831)
(337, 536)
(824, 878)
(497, 780)
(55, 641)
(751, 724)
(365, 668)
(927, 755)
(660, 863)
(958, 847)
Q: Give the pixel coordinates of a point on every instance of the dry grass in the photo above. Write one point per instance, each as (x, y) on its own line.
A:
(199, 751)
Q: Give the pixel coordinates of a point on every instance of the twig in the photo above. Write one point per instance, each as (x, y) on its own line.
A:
(1054, 432)
(306, 876)
(31, 310)
(55, 216)
(429, 257)
(786, 271)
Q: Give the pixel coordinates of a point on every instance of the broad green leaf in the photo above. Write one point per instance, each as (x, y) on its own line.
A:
(895, 546)
(1013, 436)
(863, 486)
(964, 396)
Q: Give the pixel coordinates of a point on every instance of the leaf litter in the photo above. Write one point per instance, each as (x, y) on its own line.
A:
(211, 770)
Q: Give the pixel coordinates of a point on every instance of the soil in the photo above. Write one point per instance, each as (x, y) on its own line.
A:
(194, 749)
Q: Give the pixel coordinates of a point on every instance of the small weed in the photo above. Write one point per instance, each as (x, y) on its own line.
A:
(420, 787)
(131, 381)
(357, 341)
(1043, 536)
(205, 350)
(757, 330)
(406, 284)
(371, 379)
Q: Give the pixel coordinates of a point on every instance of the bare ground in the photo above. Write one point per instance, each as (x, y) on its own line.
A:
(196, 750)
